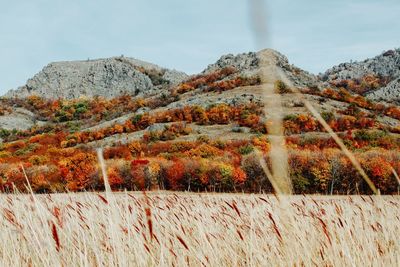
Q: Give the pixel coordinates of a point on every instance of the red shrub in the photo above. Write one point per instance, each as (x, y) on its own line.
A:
(175, 174)
(118, 152)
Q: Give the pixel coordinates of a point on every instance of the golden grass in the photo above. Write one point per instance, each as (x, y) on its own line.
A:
(166, 229)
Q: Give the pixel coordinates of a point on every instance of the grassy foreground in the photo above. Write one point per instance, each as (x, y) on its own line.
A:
(179, 229)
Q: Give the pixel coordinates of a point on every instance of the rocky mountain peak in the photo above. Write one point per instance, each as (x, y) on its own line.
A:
(248, 64)
(242, 62)
(386, 64)
(108, 77)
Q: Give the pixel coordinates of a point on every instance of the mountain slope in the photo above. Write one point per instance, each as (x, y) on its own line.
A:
(384, 68)
(232, 80)
(203, 132)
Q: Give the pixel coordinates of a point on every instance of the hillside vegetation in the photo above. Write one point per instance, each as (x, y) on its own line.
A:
(206, 132)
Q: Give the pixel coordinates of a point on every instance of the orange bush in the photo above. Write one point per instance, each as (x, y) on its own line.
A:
(114, 178)
(78, 171)
(138, 174)
(239, 176)
(117, 152)
(174, 174)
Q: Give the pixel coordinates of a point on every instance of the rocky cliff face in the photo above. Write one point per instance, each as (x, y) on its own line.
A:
(386, 65)
(103, 77)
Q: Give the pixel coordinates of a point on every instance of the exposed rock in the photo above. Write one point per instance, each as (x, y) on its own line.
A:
(142, 110)
(204, 101)
(386, 65)
(156, 127)
(103, 77)
(389, 93)
(116, 76)
(242, 62)
(247, 64)
(174, 77)
(238, 129)
(18, 119)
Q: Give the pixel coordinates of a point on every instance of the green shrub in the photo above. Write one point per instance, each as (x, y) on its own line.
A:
(245, 150)
(300, 184)
(281, 87)
(4, 133)
(203, 139)
(290, 117)
(328, 116)
(365, 135)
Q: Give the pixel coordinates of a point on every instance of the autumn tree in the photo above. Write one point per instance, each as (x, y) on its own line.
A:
(79, 171)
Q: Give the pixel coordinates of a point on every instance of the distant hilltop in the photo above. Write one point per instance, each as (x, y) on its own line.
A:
(110, 77)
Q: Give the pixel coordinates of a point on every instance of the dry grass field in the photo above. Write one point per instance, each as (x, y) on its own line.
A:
(189, 229)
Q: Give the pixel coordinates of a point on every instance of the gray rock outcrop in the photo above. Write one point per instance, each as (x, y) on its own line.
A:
(386, 65)
(109, 78)
(389, 93)
(18, 119)
(117, 76)
(242, 62)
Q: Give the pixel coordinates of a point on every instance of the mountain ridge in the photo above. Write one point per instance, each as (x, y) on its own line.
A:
(111, 77)
(232, 80)
(108, 77)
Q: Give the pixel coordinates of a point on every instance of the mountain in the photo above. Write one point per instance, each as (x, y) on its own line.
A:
(204, 131)
(117, 76)
(383, 70)
(109, 78)
(231, 80)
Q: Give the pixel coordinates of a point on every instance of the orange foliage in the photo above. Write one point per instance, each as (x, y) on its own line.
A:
(114, 178)
(175, 174)
(138, 173)
(204, 80)
(219, 114)
(239, 176)
(118, 152)
(78, 171)
(261, 143)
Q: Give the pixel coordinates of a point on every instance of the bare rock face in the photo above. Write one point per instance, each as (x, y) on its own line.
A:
(389, 93)
(386, 65)
(103, 77)
(174, 77)
(242, 62)
(18, 119)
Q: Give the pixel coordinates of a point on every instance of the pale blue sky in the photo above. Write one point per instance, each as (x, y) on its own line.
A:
(189, 34)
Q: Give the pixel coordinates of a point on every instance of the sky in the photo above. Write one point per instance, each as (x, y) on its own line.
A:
(188, 35)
